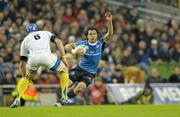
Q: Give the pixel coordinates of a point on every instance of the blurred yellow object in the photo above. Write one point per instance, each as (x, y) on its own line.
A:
(14, 93)
(30, 94)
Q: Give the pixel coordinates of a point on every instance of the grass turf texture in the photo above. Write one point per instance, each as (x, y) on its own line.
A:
(94, 111)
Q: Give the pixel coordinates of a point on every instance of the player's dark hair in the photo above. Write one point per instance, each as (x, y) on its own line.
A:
(91, 28)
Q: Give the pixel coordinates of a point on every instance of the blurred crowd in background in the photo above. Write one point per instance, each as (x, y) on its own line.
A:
(136, 45)
(173, 3)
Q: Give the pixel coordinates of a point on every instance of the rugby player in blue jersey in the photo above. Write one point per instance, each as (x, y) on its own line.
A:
(90, 50)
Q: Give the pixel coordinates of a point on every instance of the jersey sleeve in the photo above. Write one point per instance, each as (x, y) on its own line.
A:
(78, 43)
(101, 40)
(49, 33)
(24, 50)
(51, 36)
(103, 43)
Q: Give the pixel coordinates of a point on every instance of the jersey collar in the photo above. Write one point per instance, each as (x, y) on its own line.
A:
(92, 44)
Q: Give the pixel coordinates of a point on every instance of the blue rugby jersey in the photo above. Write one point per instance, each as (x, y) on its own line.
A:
(91, 58)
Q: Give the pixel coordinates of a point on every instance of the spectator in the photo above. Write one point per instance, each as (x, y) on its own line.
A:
(68, 16)
(134, 16)
(163, 37)
(97, 92)
(133, 42)
(149, 35)
(127, 58)
(155, 77)
(142, 55)
(171, 34)
(175, 54)
(118, 76)
(9, 79)
(140, 30)
(106, 75)
(175, 77)
(154, 52)
(164, 53)
(176, 40)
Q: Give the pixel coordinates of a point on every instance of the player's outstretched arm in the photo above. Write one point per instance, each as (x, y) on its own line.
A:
(109, 34)
(60, 46)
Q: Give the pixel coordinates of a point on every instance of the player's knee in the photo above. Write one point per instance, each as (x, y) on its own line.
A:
(80, 87)
(63, 68)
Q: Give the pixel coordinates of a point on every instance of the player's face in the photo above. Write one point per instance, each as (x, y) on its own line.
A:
(92, 36)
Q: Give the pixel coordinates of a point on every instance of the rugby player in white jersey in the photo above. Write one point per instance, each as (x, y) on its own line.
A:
(35, 52)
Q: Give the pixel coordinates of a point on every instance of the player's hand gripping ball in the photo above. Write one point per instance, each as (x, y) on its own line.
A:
(79, 50)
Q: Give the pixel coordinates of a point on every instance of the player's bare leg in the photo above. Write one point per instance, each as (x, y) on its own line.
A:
(80, 86)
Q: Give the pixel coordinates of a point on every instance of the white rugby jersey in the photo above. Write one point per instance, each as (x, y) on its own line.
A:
(36, 42)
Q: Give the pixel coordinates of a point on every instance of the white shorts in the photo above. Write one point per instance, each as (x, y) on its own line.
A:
(48, 60)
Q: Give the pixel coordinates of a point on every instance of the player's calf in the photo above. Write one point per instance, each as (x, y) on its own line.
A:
(80, 86)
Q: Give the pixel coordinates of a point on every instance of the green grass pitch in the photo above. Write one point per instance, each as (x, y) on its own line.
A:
(94, 111)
